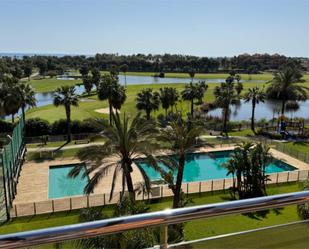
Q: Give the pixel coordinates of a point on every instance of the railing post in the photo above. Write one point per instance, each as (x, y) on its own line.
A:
(298, 175)
(277, 178)
(87, 201)
(224, 185)
(187, 189)
(15, 207)
(161, 192)
(70, 203)
(212, 186)
(34, 208)
(163, 237)
(288, 176)
(104, 199)
(200, 188)
(53, 206)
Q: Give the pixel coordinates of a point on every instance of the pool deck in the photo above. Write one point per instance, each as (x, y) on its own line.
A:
(33, 180)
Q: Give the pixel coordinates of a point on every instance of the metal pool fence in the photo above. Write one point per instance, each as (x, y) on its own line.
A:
(11, 159)
(157, 192)
(287, 149)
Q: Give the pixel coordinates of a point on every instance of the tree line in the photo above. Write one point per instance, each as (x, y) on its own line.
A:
(56, 65)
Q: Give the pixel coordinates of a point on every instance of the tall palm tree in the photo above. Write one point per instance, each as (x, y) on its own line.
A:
(255, 95)
(66, 96)
(26, 95)
(191, 73)
(126, 140)
(285, 87)
(189, 94)
(87, 82)
(109, 89)
(174, 96)
(11, 101)
(225, 96)
(148, 100)
(124, 68)
(194, 91)
(165, 98)
(180, 138)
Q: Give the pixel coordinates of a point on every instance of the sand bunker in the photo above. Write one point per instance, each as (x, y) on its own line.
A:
(105, 110)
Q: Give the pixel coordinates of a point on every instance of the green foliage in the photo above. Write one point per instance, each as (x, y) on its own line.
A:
(109, 89)
(285, 87)
(37, 127)
(148, 100)
(194, 91)
(226, 94)
(66, 97)
(248, 166)
(125, 139)
(303, 209)
(136, 239)
(255, 95)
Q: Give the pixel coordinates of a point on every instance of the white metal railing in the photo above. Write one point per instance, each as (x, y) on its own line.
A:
(154, 219)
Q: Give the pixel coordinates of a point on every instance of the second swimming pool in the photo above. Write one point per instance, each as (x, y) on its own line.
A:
(207, 166)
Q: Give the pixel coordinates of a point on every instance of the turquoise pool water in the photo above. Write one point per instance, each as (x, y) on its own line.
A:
(60, 185)
(207, 166)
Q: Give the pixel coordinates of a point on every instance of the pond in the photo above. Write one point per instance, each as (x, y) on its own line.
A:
(266, 110)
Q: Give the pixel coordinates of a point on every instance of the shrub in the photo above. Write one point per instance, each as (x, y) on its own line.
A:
(37, 127)
(86, 126)
(59, 127)
(303, 209)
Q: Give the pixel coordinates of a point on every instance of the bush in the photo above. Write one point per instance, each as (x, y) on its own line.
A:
(303, 209)
(86, 126)
(59, 127)
(37, 127)
(6, 127)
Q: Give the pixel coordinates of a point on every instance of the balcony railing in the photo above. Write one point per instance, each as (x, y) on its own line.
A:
(161, 218)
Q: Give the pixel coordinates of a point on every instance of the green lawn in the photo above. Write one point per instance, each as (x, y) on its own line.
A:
(86, 109)
(300, 146)
(50, 84)
(193, 230)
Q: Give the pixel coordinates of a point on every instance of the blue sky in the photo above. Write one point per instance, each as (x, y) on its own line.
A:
(196, 27)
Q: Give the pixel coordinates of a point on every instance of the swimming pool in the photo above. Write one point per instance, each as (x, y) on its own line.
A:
(207, 166)
(61, 185)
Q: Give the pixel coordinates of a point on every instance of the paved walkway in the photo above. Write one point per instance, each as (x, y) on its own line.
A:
(67, 147)
(74, 146)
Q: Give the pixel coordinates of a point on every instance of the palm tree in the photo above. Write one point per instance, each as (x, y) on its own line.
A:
(27, 96)
(66, 96)
(200, 91)
(189, 94)
(110, 90)
(11, 101)
(284, 87)
(225, 96)
(125, 140)
(255, 95)
(248, 162)
(148, 100)
(165, 98)
(174, 96)
(191, 73)
(180, 138)
(124, 68)
(87, 81)
(95, 76)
